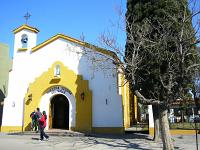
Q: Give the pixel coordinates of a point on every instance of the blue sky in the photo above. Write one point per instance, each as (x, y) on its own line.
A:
(70, 17)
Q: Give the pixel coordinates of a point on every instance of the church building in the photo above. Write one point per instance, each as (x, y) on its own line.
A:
(75, 82)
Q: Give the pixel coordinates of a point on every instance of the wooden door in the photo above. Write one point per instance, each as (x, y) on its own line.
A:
(50, 116)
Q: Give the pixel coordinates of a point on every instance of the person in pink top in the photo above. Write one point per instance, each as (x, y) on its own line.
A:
(42, 125)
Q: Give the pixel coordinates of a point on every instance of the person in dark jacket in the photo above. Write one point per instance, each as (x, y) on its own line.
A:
(42, 125)
(38, 116)
(34, 121)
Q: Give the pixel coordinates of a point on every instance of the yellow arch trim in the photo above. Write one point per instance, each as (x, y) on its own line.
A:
(25, 26)
(69, 80)
(62, 36)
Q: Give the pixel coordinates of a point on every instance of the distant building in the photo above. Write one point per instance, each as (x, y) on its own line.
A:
(5, 65)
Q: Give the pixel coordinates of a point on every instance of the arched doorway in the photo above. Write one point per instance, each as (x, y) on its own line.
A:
(59, 112)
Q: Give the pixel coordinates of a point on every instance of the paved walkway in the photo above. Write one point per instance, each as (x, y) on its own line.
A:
(94, 142)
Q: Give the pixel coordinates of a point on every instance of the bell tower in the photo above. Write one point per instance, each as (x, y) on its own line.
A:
(25, 38)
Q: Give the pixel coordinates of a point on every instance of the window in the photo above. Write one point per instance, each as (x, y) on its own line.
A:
(24, 41)
(57, 71)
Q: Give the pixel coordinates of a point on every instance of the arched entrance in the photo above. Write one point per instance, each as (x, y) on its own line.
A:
(59, 112)
(71, 87)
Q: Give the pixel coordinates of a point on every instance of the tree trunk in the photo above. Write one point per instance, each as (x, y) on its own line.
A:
(165, 132)
(182, 116)
(156, 123)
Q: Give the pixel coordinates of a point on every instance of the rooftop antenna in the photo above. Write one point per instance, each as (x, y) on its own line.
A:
(27, 16)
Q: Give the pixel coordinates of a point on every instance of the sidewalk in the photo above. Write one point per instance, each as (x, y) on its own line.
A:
(27, 141)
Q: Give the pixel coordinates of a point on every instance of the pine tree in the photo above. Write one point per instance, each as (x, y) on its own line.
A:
(159, 43)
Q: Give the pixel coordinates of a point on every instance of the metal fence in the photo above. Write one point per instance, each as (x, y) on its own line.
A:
(184, 118)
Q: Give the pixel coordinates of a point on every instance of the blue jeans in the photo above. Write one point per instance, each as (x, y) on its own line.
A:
(34, 124)
(43, 134)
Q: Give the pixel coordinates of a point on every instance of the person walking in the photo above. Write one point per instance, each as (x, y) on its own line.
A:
(38, 117)
(42, 125)
(34, 121)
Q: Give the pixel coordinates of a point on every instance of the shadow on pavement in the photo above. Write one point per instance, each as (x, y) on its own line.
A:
(123, 136)
(35, 139)
(137, 141)
(120, 141)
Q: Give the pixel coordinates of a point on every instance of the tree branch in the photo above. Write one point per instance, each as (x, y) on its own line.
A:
(145, 101)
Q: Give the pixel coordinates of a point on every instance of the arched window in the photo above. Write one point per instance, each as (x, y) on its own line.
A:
(57, 71)
(24, 41)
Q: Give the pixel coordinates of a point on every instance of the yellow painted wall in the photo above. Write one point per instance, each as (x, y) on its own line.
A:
(125, 101)
(129, 101)
(108, 130)
(135, 110)
(69, 80)
(175, 132)
(11, 128)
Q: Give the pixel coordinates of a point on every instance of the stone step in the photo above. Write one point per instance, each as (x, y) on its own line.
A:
(51, 133)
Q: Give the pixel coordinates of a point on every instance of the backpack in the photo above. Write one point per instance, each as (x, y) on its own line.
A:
(35, 116)
(45, 116)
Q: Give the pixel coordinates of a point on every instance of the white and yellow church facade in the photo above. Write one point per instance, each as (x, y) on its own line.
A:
(76, 83)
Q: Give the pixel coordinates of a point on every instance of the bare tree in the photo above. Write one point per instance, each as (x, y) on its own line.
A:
(173, 54)
(166, 61)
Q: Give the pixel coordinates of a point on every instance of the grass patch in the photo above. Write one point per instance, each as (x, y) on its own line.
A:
(184, 125)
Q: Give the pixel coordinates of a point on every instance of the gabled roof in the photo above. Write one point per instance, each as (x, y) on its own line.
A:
(73, 40)
(25, 26)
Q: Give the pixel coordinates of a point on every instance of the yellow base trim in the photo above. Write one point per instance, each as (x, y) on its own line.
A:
(72, 129)
(151, 131)
(174, 132)
(108, 130)
(11, 128)
(22, 49)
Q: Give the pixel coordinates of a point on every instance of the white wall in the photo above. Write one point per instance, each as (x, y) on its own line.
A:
(102, 81)
(150, 111)
(18, 81)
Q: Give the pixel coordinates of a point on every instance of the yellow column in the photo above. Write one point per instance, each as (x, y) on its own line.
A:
(135, 109)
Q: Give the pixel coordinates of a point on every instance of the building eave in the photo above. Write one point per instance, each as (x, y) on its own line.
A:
(25, 26)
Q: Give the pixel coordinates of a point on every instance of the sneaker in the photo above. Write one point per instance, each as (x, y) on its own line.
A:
(47, 138)
(40, 139)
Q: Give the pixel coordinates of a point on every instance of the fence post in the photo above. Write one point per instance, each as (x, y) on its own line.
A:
(195, 123)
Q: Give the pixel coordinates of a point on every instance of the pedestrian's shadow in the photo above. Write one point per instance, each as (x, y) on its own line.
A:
(33, 138)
